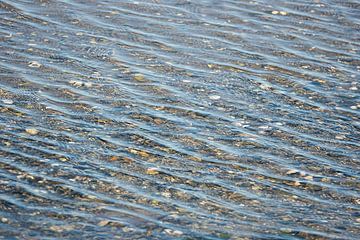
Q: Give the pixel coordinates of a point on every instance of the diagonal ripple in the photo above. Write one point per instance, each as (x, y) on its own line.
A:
(179, 119)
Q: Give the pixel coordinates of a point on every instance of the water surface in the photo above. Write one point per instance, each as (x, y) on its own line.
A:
(179, 119)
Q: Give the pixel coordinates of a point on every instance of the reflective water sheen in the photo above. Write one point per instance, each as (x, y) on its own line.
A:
(179, 119)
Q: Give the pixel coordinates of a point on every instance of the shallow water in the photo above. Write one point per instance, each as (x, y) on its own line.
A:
(179, 119)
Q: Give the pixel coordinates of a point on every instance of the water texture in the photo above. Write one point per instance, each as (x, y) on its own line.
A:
(179, 119)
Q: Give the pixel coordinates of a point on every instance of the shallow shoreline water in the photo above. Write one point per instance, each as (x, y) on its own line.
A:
(179, 119)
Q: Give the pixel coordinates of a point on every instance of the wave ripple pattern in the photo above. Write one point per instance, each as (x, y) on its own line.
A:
(179, 119)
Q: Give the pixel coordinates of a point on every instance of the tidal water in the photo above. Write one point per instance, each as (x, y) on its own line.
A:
(179, 119)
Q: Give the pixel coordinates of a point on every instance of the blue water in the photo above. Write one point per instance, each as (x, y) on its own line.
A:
(179, 119)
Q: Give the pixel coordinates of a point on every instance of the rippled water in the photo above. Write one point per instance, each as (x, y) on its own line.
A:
(179, 119)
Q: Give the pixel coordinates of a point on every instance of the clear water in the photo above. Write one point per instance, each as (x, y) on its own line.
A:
(179, 119)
